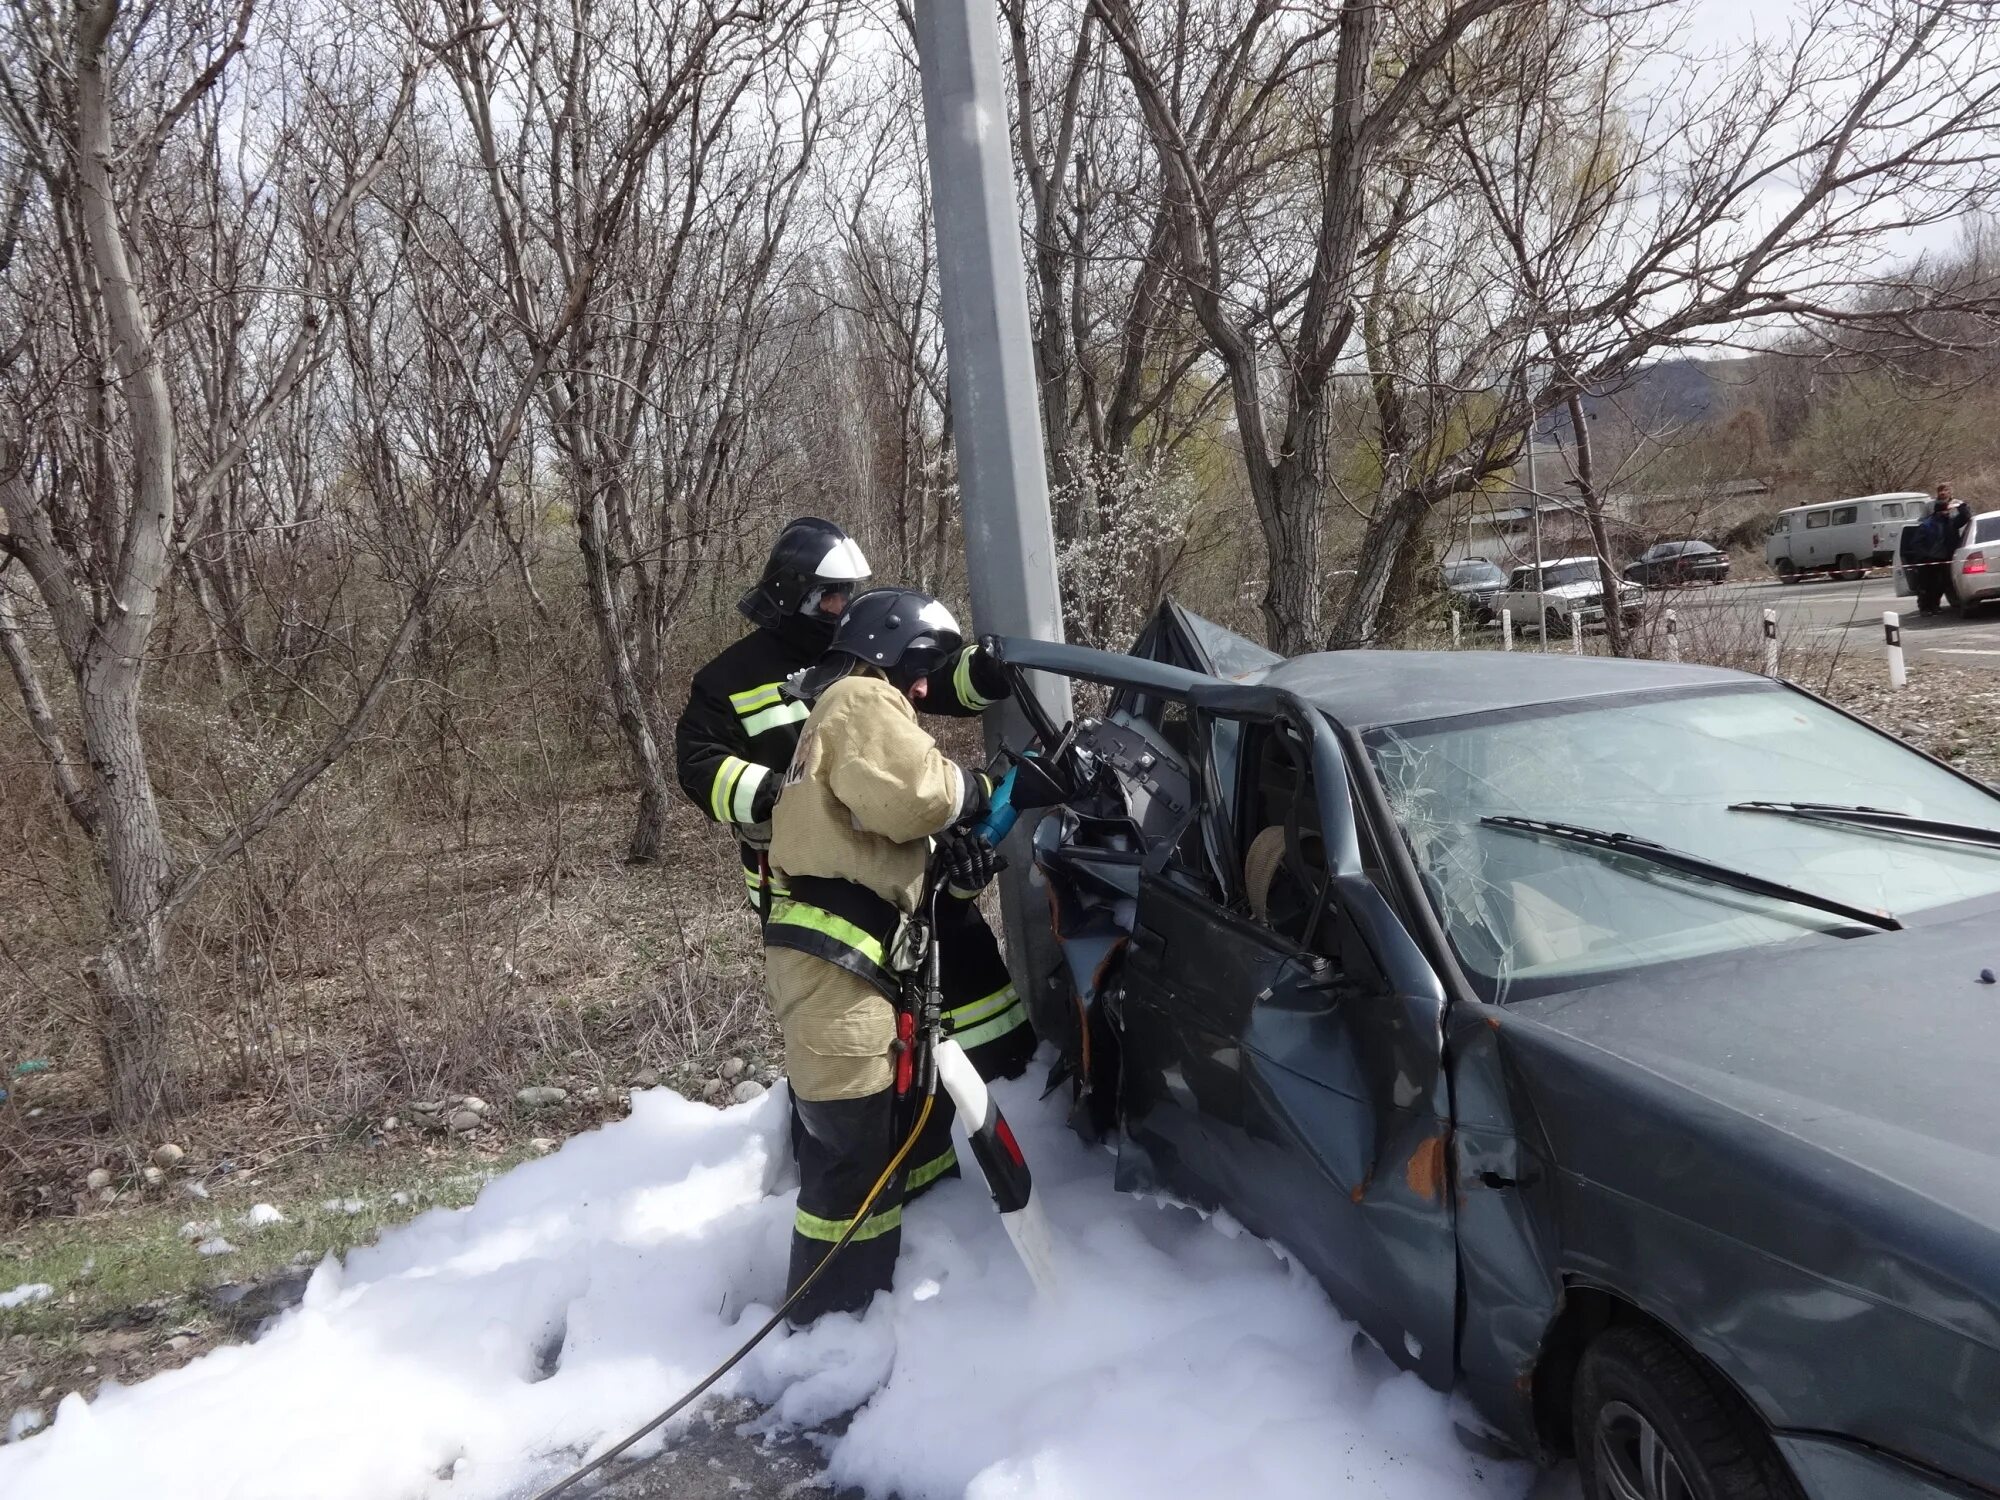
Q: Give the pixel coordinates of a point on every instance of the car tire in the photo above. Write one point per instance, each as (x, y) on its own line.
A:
(1554, 623)
(1651, 1423)
(1844, 566)
(1966, 608)
(1787, 573)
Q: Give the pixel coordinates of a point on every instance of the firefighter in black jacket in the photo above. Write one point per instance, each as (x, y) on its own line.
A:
(735, 739)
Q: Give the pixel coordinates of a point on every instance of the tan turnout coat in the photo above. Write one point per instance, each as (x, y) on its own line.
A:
(866, 790)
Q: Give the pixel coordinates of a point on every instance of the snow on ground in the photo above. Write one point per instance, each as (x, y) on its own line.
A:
(26, 1292)
(475, 1354)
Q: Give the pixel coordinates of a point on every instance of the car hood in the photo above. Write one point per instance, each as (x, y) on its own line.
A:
(1571, 591)
(1882, 1050)
(1845, 1086)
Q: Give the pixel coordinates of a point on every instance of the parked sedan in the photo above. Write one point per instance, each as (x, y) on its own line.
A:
(1672, 564)
(1568, 588)
(1608, 1037)
(1472, 582)
(1975, 567)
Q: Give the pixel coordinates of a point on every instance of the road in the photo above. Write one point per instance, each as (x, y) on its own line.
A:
(1827, 610)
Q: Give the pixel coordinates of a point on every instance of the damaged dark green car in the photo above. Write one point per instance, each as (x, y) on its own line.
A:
(1614, 1040)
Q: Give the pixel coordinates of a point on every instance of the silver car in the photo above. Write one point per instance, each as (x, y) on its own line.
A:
(1975, 566)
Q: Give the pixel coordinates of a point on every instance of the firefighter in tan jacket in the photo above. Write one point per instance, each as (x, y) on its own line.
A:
(851, 838)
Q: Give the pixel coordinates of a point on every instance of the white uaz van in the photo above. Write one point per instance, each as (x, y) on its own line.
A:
(1841, 538)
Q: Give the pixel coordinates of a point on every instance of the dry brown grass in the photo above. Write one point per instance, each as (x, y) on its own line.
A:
(446, 912)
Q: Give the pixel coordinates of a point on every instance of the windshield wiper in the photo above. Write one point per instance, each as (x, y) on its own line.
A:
(1634, 847)
(1878, 817)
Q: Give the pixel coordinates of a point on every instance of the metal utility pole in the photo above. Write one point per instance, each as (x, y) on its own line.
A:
(1535, 520)
(996, 423)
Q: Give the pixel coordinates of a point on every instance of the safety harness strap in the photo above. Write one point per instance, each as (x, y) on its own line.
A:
(843, 923)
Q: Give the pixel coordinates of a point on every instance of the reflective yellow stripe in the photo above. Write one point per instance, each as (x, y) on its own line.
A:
(771, 718)
(980, 1009)
(961, 681)
(753, 882)
(986, 1031)
(743, 797)
(842, 931)
(751, 699)
(931, 1171)
(813, 1227)
(731, 772)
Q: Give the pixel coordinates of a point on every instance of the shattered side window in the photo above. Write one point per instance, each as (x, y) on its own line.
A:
(1231, 655)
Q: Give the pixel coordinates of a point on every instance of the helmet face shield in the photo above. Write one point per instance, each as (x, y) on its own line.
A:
(810, 559)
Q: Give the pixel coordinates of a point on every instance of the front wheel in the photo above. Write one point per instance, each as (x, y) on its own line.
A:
(1554, 623)
(1787, 571)
(1651, 1423)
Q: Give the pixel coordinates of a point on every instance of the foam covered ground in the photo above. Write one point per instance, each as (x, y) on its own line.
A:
(477, 1353)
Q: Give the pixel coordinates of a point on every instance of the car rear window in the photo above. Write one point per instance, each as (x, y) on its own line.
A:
(1986, 529)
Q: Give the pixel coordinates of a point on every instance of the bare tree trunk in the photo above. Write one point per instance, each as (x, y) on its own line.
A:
(126, 973)
(82, 804)
(1293, 521)
(1583, 460)
(649, 831)
(1392, 529)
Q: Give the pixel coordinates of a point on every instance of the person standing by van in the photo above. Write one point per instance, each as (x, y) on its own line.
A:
(1927, 548)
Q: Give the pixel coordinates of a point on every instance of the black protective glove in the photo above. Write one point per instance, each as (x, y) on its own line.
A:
(766, 797)
(965, 863)
(989, 678)
(978, 797)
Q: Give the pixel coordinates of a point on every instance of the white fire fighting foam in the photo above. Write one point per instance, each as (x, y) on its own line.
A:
(1181, 1357)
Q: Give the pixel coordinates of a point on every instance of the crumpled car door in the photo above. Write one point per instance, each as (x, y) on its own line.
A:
(1301, 1088)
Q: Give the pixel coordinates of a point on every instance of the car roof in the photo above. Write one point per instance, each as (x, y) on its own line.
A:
(1376, 689)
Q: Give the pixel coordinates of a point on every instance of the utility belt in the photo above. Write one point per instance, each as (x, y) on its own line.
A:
(850, 927)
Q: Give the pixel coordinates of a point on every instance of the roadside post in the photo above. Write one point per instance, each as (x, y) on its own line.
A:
(1506, 630)
(1892, 639)
(1770, 643)
(1454, 630)
(1575, 633)
(1010, 554)
(1673, 637)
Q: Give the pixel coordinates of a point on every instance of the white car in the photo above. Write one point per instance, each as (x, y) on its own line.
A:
(1568, 586)
(1975, 567)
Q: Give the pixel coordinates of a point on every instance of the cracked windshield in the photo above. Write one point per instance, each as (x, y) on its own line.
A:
(1527, 913)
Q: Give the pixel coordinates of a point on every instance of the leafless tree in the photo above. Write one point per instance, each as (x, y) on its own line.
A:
(103, 111)
(1269, 123)
(1709, 202)
(630, 204)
